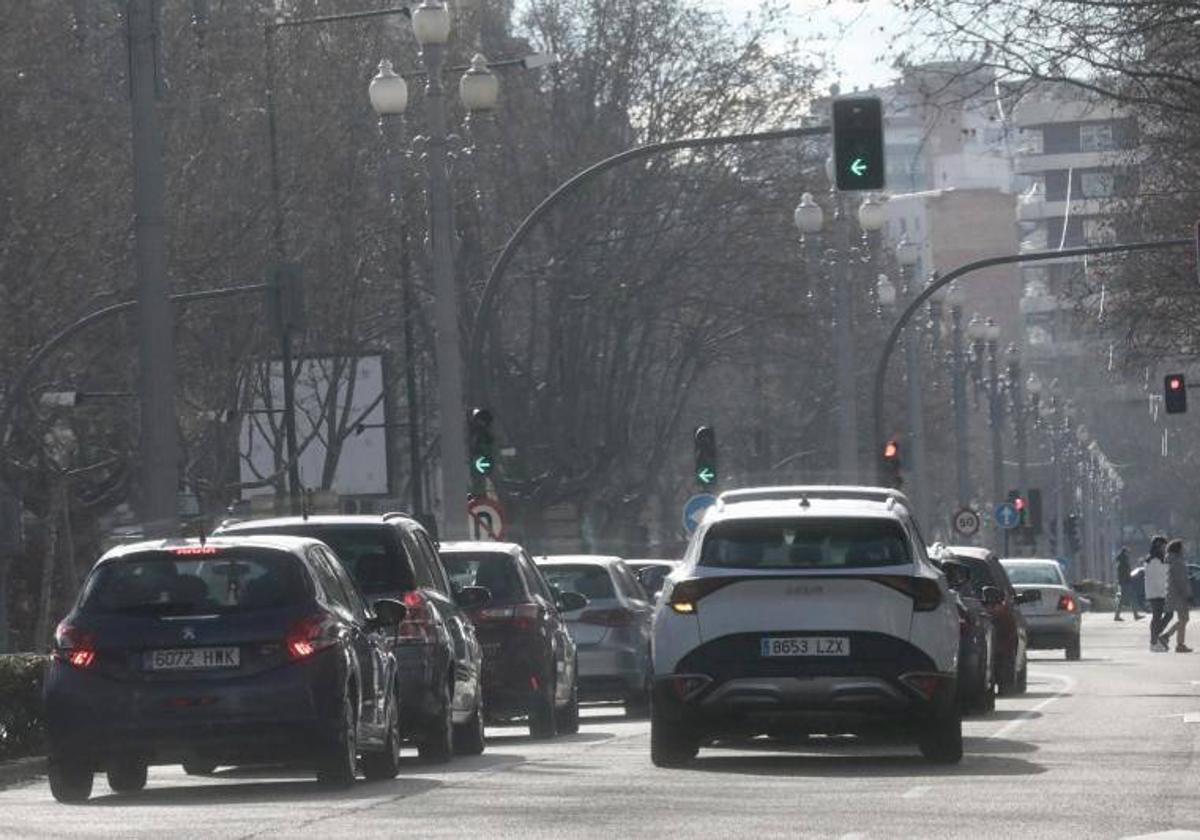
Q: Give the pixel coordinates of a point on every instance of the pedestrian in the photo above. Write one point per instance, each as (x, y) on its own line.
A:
(1155, 577)
(1179, 596)
(1125, 585)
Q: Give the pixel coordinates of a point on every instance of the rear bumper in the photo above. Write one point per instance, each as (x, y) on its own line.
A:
(515, 670)
(422, 671)
(283, 714)
(741, 692)
(1049, 632)
(611, 672)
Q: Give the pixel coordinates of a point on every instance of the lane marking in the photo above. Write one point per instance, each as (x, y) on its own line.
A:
(1191, 717)
(916, 792)
(1068, 685)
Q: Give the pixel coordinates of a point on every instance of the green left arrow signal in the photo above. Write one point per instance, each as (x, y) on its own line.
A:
(858, 167)
(706, 475)
(483, 465)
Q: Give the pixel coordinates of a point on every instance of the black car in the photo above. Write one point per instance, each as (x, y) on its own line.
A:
(438, 656)
(529, 664)
(1011, 629)
(976, 650)
(652, 574)
(230, 651)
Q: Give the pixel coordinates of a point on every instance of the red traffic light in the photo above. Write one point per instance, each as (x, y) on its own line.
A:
(1019, 504)
(891, 451)
(1174, 383)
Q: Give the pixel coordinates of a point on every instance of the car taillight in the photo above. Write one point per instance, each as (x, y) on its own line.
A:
(308, 636)
(925, 592)
(1067, 603)
(926, 685)
(74, 646)
(519, 617)
(418, 624)
(686, 595)
(615, 617)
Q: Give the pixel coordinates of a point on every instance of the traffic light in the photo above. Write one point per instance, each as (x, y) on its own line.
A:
(858, 143)
(891, 464)
(479, 430)
(1175, 393)
(1021, 504)
(1074, 539)
(704, 441)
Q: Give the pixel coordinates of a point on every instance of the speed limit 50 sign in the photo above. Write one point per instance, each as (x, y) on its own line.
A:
(966, 522)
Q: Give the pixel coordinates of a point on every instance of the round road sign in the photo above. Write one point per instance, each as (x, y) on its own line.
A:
(966, 523)
(487, 517)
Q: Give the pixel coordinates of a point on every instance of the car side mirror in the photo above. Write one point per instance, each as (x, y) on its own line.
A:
(473, 597)
(1029, 596)
(956, 575)
(388, 612)
(991, 596)
(571, 601)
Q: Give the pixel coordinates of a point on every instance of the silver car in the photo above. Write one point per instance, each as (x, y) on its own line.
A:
(1051, 609)
(612, 633)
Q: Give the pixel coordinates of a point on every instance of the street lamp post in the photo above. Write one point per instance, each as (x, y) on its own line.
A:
(959, 383)
(985, 336)
(907, 254)
(1018, 409)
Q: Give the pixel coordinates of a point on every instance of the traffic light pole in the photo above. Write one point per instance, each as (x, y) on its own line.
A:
(933, 288)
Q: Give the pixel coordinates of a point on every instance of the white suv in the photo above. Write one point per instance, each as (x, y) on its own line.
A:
(805, 610)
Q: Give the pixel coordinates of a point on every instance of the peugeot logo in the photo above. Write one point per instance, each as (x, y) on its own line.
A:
(189, 634)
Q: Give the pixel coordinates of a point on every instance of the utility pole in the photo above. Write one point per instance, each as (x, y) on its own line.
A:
(159, 444)
(846, 406)
(959, 378)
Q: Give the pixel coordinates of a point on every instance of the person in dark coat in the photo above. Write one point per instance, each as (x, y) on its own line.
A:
(1179, 595)
(1125, 585)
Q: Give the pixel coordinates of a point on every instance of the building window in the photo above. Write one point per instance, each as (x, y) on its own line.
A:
(1096, 184)
(1096, 137)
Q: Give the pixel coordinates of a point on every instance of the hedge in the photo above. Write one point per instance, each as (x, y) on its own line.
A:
(21, 732)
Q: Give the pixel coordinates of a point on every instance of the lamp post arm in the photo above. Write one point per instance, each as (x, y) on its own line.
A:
(893, 338)
(496, 275)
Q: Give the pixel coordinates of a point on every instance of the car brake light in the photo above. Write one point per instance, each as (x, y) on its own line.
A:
(418, 624)
(1067, 603)
(195, 551)
(925, 685)
(520, 617)
(686, 595)
(615, 617)
(687, 686)
(308, 636)
(925, 592)
(74, 646)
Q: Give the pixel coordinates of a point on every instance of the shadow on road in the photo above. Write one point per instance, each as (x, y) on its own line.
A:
(1009, 714)
(996, 746)
(515, 737)
(205, 794)
(879, 766)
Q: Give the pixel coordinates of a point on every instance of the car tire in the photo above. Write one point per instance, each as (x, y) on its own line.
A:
(384, 764)
(567, 718)
(1023, 678)
(1073, 650)
(338, 761)
(126, 775)
(436, 744)
(70, 779)
(672, 744)
(199, 768)
(469, 737)
(941, 740)
(542, 721)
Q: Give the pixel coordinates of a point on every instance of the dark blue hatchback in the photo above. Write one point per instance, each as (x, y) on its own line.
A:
(232, 651)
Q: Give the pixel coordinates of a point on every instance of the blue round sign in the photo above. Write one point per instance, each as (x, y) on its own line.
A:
(693, 510)
(1007, 515)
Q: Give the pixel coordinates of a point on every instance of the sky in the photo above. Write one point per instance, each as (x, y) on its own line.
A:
(853, 32)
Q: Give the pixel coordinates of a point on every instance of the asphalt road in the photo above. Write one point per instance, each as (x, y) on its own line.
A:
(1104, 747)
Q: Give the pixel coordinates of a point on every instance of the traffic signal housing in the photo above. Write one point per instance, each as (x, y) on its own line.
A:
(704, 444)
(1021, 505)
(858, 143)
(482, 443)
(890, 458)
(1175, 393)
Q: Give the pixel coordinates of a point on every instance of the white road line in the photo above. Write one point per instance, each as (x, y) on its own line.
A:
(916, 792)
(1068, 685)
(1191, 717)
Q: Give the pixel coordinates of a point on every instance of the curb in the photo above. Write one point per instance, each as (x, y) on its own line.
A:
(21, 770)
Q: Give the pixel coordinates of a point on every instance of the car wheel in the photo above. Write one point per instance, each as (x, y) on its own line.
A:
(672, 744)
(1023, 678)
(941, 740)
(542, 723)
(567, 718)
(468, 737)
(1073, 649)
(70, 779)
(436, 744)
(199, 768)
(385, 764)
(127, 775)
(338, 762)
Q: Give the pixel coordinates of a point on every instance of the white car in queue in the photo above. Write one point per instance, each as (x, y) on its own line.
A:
(805, 610)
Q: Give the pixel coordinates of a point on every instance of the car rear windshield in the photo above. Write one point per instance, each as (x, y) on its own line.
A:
(494, 570)
(805, 544)
(588, 580)
(1031, 574)
(978, 571)
(369, 553)
(165, 583)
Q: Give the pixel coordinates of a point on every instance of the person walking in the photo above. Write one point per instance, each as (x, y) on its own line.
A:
(1125, 585)
(1179, 596)
(1155, 576)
